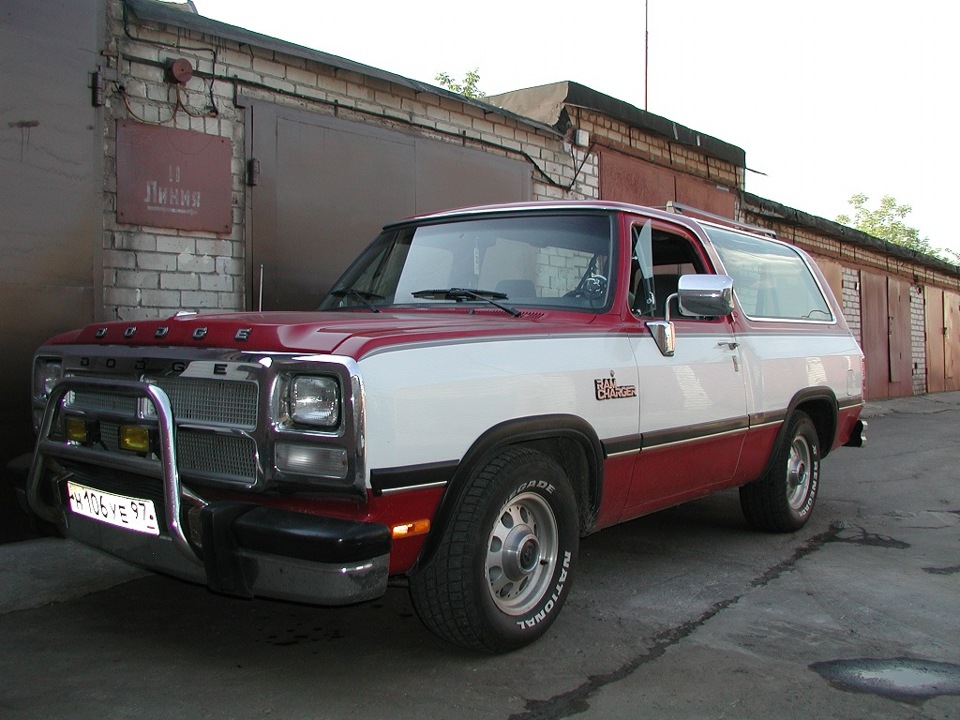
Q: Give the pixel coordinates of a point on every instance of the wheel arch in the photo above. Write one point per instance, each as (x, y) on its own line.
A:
(820, 405)
(568, 439)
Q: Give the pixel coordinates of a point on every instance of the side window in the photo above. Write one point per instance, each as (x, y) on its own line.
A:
(770, 279)
(672, 256)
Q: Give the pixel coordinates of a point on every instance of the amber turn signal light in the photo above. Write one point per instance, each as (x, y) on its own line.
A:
(417, 527)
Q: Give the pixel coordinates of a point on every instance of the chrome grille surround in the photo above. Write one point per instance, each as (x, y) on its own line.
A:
(226, 444)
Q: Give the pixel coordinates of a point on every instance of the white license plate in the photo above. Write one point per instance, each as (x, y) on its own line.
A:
(126, 512)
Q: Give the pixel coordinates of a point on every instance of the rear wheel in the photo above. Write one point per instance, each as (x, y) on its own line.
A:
(783, 498)
(504, 564)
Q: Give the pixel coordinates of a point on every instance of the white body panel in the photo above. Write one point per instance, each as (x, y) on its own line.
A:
(430, 403)
(778, 364)
(702, 383)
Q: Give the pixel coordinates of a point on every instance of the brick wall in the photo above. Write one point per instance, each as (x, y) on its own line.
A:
(152, 272)
(149, 272)
(918, 339)
(850, 301)
(613, 133)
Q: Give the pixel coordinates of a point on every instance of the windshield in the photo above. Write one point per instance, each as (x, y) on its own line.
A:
(557, 260)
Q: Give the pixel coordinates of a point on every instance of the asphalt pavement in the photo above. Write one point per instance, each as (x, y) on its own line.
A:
(683, 614)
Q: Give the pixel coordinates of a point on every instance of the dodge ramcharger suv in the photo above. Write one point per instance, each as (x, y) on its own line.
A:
(481, 389)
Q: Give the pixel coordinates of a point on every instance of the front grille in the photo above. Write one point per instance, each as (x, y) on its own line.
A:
(210, 402)
(213, 455)
(214, 402)
(231, 458)
(92, 401)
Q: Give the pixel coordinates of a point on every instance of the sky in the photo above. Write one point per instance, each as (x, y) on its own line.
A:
(828, 98)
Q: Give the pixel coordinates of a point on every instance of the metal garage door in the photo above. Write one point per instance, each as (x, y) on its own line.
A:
(943, 339)
(885, 315)
(833, 272)
(935, 339)
(50, 208)
(327, 185)
(629, 179)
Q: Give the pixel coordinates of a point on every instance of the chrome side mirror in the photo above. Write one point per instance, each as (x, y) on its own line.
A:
(702, 295)
(705, 295)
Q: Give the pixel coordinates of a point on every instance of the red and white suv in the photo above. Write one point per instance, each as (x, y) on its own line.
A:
(480, 389)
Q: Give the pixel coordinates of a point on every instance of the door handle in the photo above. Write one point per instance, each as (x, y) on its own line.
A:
(730, 345)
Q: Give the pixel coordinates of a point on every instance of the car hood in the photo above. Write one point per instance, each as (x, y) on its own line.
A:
(353, 333)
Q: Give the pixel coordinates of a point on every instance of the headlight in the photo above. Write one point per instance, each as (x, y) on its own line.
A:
(315, 401)
(46, 373)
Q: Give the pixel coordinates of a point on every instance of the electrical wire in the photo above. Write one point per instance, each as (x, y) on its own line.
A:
(213, 77)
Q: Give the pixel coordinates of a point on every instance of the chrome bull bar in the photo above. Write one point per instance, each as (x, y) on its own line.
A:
(166, 470)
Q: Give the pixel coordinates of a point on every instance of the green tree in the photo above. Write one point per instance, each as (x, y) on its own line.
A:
(887, 223)
(468, 88)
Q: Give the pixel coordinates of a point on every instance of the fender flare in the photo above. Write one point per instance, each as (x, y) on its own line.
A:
(523, 431)
(825, 419)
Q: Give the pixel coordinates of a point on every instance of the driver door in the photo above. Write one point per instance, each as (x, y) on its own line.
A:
(693, 410)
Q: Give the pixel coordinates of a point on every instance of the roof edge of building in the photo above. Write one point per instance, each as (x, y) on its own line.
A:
(544, 104)
(169, 14)
(780, 213)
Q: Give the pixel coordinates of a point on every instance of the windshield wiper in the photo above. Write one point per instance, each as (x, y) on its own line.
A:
(461, 294)
(362, 295)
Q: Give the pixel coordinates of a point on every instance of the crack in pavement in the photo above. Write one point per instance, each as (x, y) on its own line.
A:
(951, 570)
(577, 700)
(867, 539)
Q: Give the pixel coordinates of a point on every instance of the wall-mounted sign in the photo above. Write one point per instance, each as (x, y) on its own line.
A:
(173, 178)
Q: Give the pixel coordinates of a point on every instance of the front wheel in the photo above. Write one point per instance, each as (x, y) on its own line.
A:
(783, 498)
(504, 564)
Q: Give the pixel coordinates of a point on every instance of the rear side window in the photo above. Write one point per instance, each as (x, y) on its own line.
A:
(771, 280)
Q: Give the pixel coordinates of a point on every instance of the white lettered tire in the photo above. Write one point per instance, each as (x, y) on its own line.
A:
(505, 563)
(782, 499)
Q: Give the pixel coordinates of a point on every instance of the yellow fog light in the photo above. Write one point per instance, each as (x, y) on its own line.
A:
(76, 430)
(134, 438)
(417, 527)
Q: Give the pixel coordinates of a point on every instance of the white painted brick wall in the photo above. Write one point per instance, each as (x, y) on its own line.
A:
(150, 271)
(918, 339)
(851, 301)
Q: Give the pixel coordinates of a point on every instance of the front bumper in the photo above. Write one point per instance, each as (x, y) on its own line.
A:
(241, 549)
(255, 550)
(250, 550)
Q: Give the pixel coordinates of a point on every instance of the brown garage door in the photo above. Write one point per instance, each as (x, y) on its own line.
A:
(935, 339)
(629, 179)
(951, 341)
(943, 339)
(885, 316)
(326, 186)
